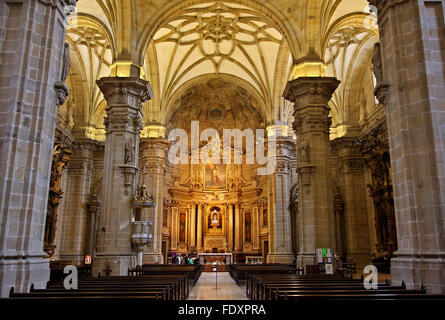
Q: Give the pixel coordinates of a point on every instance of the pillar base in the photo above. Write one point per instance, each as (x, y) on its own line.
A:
(280, 258)
(153, 258)
(415, 271)
(113, 265)
(21, 273)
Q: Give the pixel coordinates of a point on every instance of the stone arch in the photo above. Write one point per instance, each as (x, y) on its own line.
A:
(171, 107)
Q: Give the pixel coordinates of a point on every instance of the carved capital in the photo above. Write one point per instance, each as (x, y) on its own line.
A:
(93, 205)
(310, 91)
(129, 91)
(285, 152)
(311, 97)
(260, 202)
(154, 147)
(153, 155)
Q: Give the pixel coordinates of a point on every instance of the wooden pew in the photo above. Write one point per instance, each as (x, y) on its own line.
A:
(324, 287)
(178, 283)
(172, 287)
(255, 280)
(240, 271)
(193, 271)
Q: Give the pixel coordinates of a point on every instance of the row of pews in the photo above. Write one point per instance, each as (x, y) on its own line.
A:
(327, 287)
(240, 271)
(192, 271)
(151, 282)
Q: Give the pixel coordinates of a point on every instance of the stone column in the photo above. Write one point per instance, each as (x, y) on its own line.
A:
(351, 182)
(238, 228)
(153, 157)
(230, 226)
(412, 87)
(174, 228)
(199, 243)
(311, 112)
(93, 214)
(256, 227)
(123, 123)
(31, 63)
(75, 221)
(279, 185)
(192, 226)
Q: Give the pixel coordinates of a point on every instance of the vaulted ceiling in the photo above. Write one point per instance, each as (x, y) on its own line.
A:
(251, 43)
(219, 38)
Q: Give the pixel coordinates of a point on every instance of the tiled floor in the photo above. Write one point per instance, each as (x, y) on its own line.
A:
(205, 288)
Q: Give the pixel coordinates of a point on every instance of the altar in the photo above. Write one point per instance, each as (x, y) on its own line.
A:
(208, 258)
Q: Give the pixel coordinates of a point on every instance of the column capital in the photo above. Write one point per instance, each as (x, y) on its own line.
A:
(285, 151)
(155, 143)
(154, 147)
(311, 96)
(124, 102)
(310, 91)
(121, 91)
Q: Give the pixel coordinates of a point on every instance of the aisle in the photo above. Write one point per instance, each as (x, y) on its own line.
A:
(227, 288)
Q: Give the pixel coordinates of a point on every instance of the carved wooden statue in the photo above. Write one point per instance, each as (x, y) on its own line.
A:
(66, 63)
(304, 151)
(377, 66)
(129, 153)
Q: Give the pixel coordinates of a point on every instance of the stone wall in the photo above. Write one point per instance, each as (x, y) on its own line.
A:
(413, 87)
(31, 55)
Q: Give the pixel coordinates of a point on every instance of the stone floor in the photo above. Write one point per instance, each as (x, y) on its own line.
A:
(205, 288)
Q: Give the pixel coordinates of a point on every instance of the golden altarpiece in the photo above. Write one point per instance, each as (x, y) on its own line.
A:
(214, 209)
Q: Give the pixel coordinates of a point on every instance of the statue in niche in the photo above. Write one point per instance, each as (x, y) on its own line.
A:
(294, 198)
(377, 63)
(66, 63)
(143, 194)
(304, 151)
(129, 152)
(214, 218)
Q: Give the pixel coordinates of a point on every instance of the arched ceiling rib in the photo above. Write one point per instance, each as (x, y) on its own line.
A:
(91, 45)
(218, 38)
(253, 41)
(347, 51)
